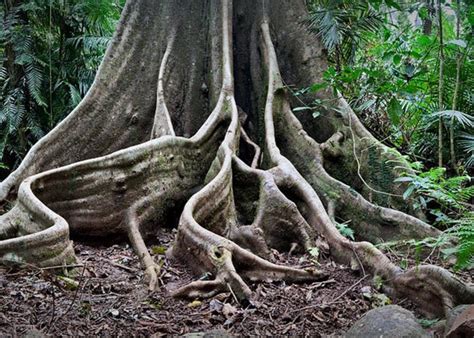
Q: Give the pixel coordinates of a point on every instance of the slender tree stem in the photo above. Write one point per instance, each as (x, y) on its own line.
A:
(440, 84)
(456, 87)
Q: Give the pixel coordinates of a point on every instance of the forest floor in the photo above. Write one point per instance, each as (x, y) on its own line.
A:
(108, 297)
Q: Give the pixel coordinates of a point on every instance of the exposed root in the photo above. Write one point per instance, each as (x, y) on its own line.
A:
(95, 196)
(227, 279)
(434, 289)
(152, 270)
(276, 215)
(34, 234)
(257, 153)
(442, 286)
(162, 122)
(201, 289)
(214, 208)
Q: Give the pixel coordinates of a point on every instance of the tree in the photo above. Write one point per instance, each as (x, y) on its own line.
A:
(189, 122)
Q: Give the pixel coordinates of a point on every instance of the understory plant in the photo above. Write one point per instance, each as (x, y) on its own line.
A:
(448, 200)
(391, 76)
(49, 55)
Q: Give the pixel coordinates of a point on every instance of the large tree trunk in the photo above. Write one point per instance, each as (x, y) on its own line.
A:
(190, 117)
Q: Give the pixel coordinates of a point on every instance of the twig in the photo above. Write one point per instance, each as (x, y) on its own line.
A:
(347, 290)
(60, 267)
(233, 294)
(76, 292)
(358, 259)
(335, 299)
(124, 267)
(324, 283)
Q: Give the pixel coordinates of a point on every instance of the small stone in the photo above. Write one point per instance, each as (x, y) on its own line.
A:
(114, 312)
(366, 292)
(387, 321)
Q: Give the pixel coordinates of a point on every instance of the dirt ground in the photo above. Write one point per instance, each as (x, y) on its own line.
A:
(108, 297)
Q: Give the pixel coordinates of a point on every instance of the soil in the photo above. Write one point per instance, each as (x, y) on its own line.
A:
(108, 297)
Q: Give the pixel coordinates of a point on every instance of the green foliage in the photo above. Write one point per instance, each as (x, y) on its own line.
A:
(427, 323)
(448, 201)
(49, 53)
(441, 196)
(463, 119)
(345, 230)
(388, 70)
(467, 144)
(463, 229)
(341, 24)
(390, 77)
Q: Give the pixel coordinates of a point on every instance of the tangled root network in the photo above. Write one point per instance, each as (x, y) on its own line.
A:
(189, 123)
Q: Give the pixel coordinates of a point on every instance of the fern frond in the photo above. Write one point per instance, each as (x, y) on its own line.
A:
(34, 77)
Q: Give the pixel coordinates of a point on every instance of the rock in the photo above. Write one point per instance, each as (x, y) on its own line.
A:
(460, 322)
(388, 321)
(367, 292)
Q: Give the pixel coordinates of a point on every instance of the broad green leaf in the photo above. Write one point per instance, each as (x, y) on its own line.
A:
(423, 40)
(396, 59)
(408, 192)
(394, 111)
(388, 55)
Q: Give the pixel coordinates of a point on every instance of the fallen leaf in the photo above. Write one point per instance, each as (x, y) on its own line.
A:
(228, 310)
(195, 303)
(158, 250)
(216, 305)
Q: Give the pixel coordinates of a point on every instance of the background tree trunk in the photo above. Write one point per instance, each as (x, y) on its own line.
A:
(189, 122)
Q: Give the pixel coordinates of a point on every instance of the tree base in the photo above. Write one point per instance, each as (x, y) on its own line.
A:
(241, 197)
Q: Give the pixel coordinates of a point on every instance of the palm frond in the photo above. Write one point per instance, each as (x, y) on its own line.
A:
(462, 118)
(467, 144)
